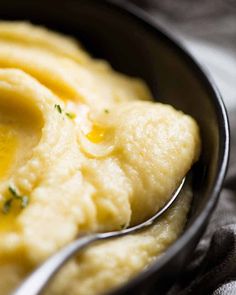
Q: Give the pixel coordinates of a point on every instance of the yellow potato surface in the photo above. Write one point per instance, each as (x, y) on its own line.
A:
(83, 149)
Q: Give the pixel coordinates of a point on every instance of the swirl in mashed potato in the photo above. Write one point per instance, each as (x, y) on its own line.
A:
(83, 149)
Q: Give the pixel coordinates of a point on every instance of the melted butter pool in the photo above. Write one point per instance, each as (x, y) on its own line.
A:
(8, 148)
(96, 135)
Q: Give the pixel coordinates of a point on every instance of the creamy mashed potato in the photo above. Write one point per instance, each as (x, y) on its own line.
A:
(83, 149)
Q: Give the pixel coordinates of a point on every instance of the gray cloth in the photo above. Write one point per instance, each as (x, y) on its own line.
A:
(208, 29)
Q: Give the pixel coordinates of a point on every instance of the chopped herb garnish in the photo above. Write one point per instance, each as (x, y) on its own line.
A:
(24, 200)
(68, 114)
(106, 111)
(7, 206)
(123, 226)
(13, 191)
(71, 115)
(58, 108)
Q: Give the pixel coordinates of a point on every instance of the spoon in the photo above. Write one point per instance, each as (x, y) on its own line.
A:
(40, 278)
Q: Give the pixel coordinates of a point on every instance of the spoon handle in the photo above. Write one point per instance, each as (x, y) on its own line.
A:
(39, 279)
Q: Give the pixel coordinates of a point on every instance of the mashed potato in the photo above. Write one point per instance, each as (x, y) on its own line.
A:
(83, 149)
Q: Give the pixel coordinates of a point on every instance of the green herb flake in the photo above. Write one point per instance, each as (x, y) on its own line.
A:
(58, 108)
(24, 200)
(71, 115)
(7, 206)
(106, 111)
(12, 191)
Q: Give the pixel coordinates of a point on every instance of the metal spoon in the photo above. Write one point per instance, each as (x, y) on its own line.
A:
(40, 278)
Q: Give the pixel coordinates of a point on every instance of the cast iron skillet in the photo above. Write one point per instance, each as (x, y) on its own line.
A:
(136, 46)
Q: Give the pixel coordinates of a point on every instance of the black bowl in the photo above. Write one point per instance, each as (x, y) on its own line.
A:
(133, 44)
